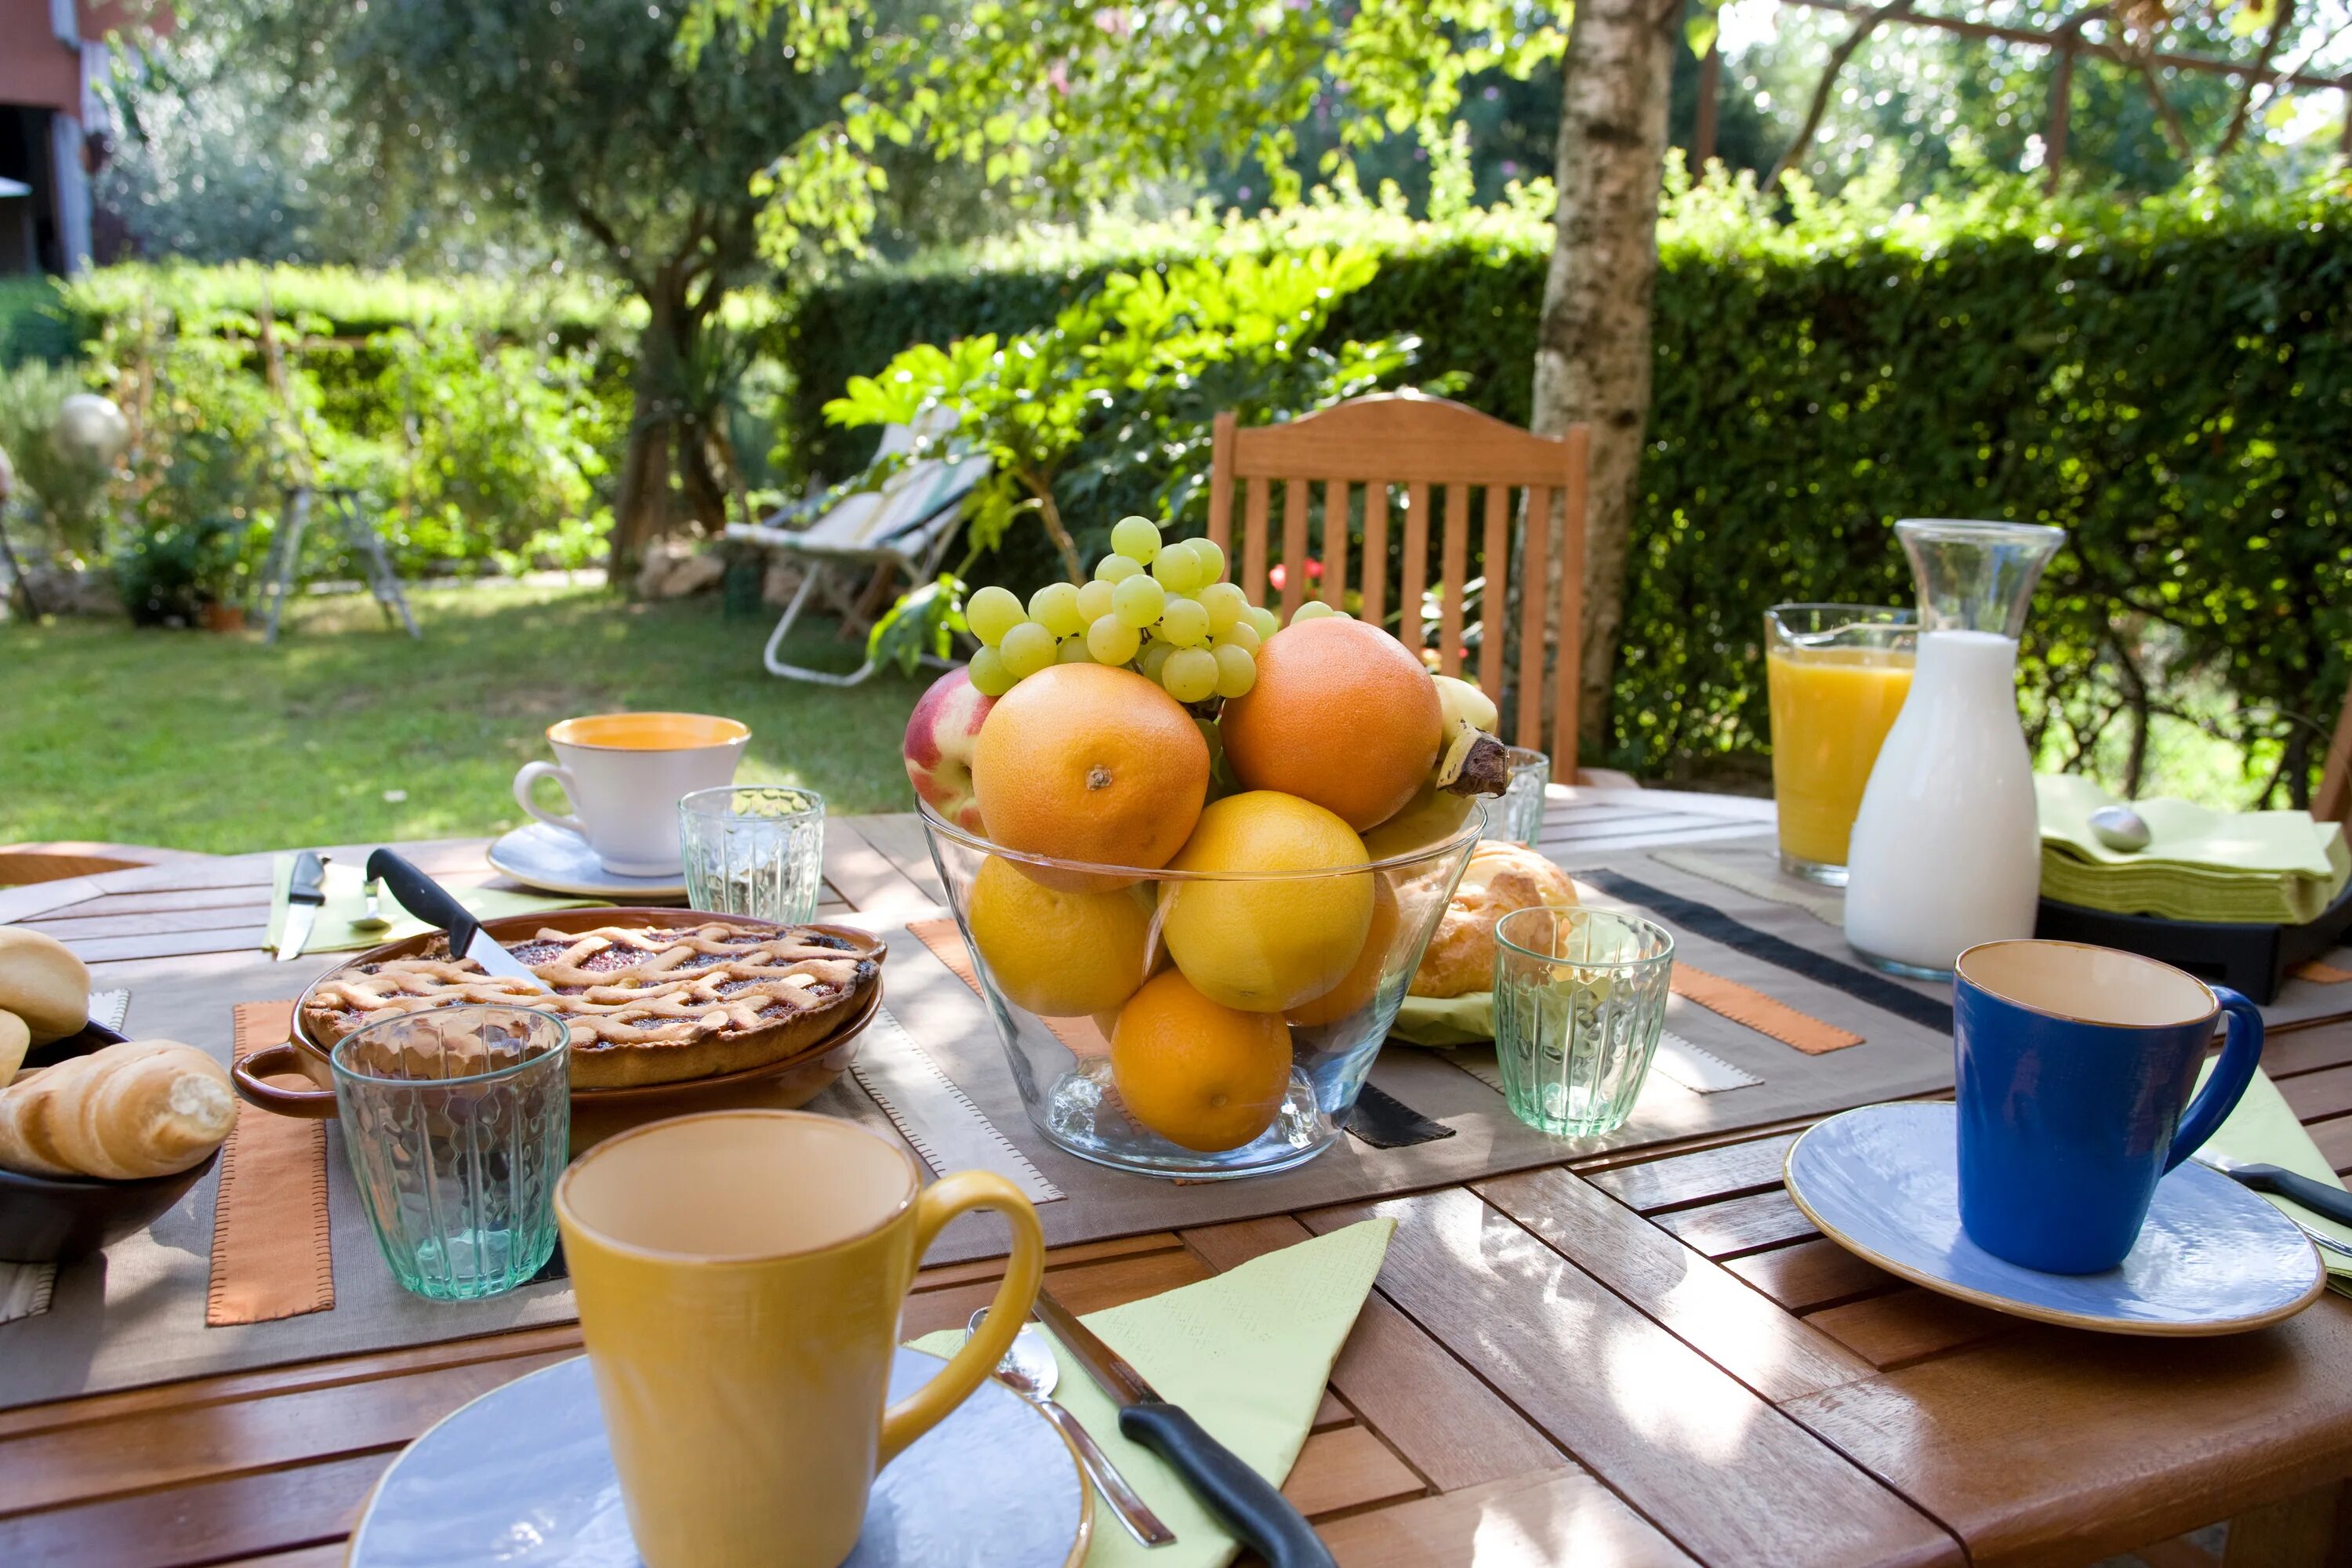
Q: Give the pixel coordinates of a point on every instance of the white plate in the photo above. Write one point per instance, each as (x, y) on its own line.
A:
(522, 1477)
(559, 862)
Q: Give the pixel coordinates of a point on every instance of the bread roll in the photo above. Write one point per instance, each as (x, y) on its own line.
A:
(43, 982)
(1501, 876)
(144, 1108)
(14, 1040)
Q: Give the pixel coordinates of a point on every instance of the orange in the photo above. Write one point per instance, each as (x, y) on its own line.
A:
(1356, 986)
(1266, 943)
(1084, 761)
(1203, 1076)
(1341, 715)
(1062, 954)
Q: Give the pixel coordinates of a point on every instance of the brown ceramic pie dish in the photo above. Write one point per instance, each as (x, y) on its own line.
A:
(754, 1051)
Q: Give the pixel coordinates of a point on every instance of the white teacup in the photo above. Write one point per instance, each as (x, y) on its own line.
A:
(624, 774)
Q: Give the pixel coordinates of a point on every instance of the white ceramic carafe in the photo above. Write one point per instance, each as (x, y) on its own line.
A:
(1947, 851)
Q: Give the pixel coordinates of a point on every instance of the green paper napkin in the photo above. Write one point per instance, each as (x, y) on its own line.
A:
(2263, 1131)
(1246, 1353)
(346, 889)
(2253, 868)
(1447, 1020)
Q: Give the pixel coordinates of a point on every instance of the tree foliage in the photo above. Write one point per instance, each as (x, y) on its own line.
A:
(1859, 360)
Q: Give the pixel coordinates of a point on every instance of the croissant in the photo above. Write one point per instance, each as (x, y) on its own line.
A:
(16, 1038)
(143, 1108)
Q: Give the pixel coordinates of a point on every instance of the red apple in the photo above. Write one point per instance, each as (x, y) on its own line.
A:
(940, 735)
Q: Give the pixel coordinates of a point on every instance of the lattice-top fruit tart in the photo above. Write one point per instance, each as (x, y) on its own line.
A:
(646, 1006)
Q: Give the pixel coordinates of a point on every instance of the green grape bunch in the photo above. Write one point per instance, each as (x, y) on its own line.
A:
(1163, 610)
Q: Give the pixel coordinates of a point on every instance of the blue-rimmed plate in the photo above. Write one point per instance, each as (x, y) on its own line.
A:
(555, 861)
(992, 1486)
(1884, 1182)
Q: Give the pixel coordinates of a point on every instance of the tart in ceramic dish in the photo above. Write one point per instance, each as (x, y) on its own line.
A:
(647, 1002)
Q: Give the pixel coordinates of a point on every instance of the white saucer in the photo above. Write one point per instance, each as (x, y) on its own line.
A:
(558, 862)
(2213, 1259)
(522, 1477)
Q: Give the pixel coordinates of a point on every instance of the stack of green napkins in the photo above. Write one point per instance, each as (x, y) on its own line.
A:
(2247, 867)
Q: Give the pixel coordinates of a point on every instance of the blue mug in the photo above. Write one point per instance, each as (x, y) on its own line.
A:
(2074, 1068)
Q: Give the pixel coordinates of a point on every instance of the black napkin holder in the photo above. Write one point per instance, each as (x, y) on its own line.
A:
(2252, 959)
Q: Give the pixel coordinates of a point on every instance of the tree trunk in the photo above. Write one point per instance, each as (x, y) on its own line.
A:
(641, 504)
(1592, 353)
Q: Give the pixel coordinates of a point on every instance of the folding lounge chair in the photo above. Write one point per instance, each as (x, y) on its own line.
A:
(908, 523)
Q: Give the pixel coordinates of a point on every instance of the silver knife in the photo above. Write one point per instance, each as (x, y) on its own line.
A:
(1244, 1503)
(306, 894)
(428, 900)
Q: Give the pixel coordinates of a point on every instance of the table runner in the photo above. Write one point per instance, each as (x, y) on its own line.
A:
(136, 1315)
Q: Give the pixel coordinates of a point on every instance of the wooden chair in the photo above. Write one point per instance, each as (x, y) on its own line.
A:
(1423, 444)
(2334, 801)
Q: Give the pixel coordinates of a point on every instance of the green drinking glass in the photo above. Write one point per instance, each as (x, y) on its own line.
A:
(457, 1122)
(1579, 1001)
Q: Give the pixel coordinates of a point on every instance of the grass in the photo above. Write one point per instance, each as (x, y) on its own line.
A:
(346, 732)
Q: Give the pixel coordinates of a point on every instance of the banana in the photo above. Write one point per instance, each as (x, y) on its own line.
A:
(1471, 761)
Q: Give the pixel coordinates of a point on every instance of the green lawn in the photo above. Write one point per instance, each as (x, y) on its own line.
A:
(346, 732)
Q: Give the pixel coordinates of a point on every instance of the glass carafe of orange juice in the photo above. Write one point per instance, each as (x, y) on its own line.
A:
(1836, 676)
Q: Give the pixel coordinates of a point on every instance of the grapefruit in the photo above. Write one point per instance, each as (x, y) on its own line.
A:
(1199, 1074)
(1341, 715)
(1084, 761)
(1267, 944)
(1060, 952)
(1363, 976)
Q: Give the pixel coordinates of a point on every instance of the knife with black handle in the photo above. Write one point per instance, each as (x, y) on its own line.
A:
(2334, 1203)
(1244, 1503)
(427, 899)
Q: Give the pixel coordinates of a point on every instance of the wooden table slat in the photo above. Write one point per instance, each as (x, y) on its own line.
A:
(1538, 1521)
(1346, 1469)
(1694, 1299)
(241, 1516)
(1702, 1456)
(1735, 1226)
(1904, 1325)
(1809, 1274)
(1726, 1171)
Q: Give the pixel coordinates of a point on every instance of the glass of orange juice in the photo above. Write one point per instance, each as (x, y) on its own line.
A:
(1836, 675)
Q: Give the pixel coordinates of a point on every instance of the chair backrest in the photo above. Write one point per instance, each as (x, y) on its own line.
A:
(2334, 801)
(1422, 446)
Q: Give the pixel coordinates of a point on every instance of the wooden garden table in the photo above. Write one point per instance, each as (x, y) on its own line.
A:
(1645, 1357)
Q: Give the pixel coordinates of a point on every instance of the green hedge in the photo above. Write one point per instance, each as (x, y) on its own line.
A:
(2173, 383)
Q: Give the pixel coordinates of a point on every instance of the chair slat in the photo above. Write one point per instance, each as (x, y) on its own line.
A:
(1569, 664)
(1404, 447)
(1410, 627)
(1334, 543)
(1535, 605)
(1495, 599)
(1455, 562)
(1376, 552)
(1221, 482)
(1294, 546)
(1253, 527)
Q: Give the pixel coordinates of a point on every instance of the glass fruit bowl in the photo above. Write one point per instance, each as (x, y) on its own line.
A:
(1195, 1023)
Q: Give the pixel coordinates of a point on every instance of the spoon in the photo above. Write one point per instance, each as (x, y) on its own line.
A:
(2120, 827)
(374, 919)
(1030, 1370)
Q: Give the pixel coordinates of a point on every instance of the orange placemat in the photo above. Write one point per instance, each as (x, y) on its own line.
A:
(946, 942)
(1745, 1005)
(271, 1256)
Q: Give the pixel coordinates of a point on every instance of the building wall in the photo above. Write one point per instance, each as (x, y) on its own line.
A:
(38, 69)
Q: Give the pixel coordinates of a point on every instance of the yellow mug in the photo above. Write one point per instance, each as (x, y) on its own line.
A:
(740, 1276)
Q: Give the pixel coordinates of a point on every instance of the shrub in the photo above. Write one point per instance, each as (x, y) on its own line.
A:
(2169, 381)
